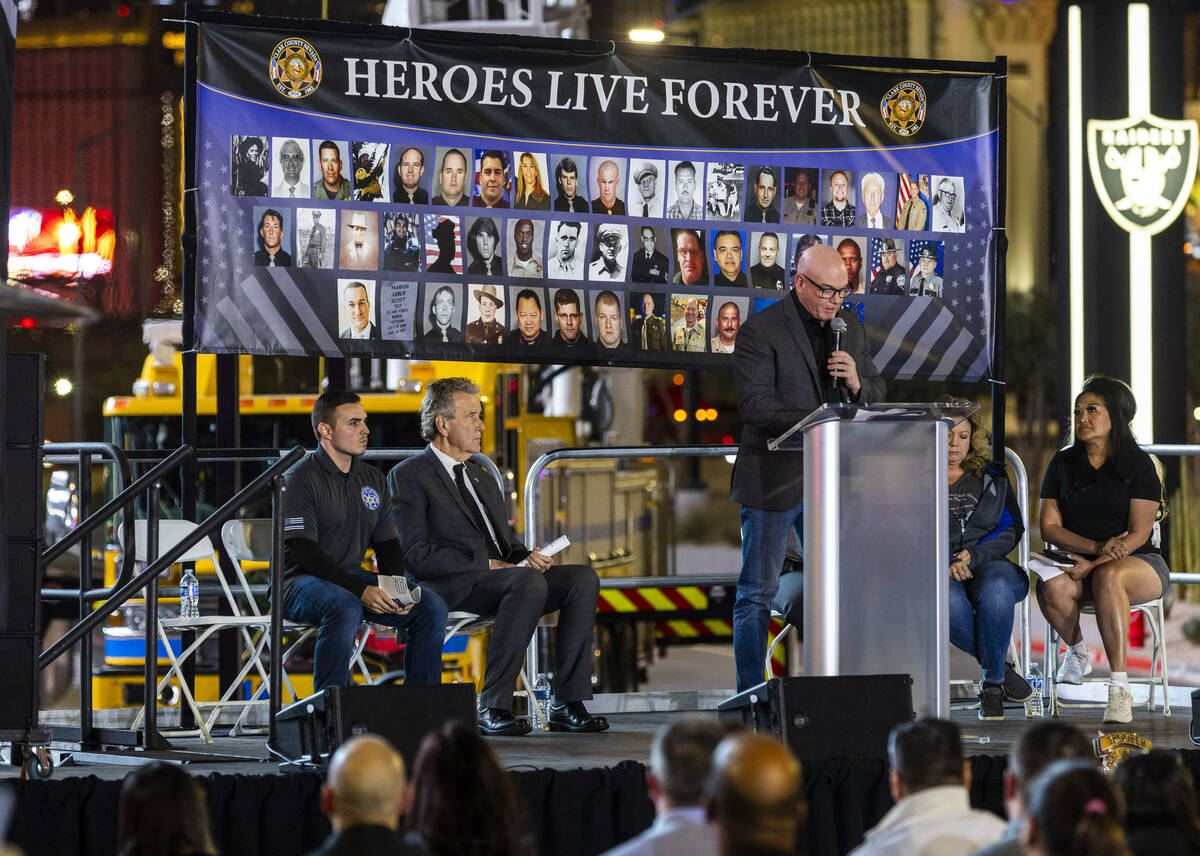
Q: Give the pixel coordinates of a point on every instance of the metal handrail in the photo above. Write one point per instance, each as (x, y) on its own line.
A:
(1021, 489)
(122, 593)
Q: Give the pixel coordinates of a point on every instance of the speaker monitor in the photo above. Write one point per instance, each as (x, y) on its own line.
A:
(313, 728)
(846, 716)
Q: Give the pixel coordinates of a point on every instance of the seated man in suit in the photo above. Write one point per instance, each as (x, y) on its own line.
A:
(458, 543)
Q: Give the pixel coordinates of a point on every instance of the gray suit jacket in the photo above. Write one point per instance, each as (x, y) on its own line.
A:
(778, 384)
(440, 538)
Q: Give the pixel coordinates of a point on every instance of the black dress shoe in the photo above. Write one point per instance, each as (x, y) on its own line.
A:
(573, 716)
(499, 722)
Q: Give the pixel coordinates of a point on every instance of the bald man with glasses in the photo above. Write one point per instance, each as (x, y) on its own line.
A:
(786, 366)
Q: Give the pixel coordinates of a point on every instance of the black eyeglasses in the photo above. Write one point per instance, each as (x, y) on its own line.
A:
(826, 292)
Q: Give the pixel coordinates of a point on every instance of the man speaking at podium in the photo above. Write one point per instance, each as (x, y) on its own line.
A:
(788, 362)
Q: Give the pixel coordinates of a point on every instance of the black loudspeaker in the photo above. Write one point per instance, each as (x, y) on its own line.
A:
(312, 729)
(847, 716)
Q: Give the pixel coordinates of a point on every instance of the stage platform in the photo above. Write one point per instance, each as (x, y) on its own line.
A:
(585, 792)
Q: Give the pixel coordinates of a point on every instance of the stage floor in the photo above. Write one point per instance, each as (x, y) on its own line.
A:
(628, 738)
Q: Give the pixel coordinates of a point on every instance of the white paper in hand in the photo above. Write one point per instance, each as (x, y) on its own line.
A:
(1046, 569)
(555, 547)
(396, 587)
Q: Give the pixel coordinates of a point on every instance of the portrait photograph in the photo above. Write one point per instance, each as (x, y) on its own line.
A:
(289, 168)
(531, 183)
(402, 248)
(356, 309)
(568, 177)
(372, 182)
(727, 248)
(525, 241)
(272, 244)
(491, 179)
(877, 195)
(330, 169)
(949, 204)
(925, 270)
(800, 243)
(410, 173)
(566, 253)
(316, 237)
(914, 205)
(728, 314)
(606, 185)
(768, 257)
(887, 270)
(648, 320)
(453, 180)
(359, 240)
(644, 195)
(650, 259)
(607, 320)
(486, 318)
(691, 256)
(763, 196)
(442, 312)
(685, 190)
(528, 324)
(799, 205)
(249, 165)
(839, 196)
(443, 244)
(853, 250)
(568, 308)
(724, 189)
(688, 329)
(610, 250)
(485, 254)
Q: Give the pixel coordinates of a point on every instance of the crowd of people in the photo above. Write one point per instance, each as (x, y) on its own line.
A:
(718, 789)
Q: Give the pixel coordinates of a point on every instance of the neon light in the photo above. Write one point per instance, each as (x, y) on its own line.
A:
(1141, 293)
(1075, 194)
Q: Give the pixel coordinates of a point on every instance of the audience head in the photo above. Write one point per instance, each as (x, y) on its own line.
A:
(162, 811)
(439, 401)
(681, 758)
(979, 440)
(463, 802)
(325, 408)
(365, 785)
(1037, 748)
(924, 754)
(1159, 791)
(1074, 809)
(754, 796)
(1118, 400)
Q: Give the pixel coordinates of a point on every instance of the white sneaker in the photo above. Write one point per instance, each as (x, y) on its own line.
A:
(1120, 704)
(1073, 668)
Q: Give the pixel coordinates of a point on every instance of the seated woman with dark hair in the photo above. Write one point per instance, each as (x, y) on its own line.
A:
(1074, 810)
(1161, 815)
(161, 812)
(463, 801)
(1100, 498)
(985, 524)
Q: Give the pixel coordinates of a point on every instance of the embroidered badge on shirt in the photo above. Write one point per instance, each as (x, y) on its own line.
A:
(291, 524)
(370, 498)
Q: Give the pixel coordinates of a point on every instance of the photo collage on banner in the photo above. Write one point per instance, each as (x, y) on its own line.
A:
(405, 241)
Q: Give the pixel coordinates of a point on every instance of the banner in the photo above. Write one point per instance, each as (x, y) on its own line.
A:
(422, 194)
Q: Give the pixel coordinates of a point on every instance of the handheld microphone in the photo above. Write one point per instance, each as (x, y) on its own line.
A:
(837, 326)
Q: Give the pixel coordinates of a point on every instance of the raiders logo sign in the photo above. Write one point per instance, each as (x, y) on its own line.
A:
(1143, 169)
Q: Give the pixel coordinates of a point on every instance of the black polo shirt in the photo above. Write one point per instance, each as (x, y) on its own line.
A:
(819, 339)
(343, 512)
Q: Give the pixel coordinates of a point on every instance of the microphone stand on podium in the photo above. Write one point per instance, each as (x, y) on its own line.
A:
(876, 542)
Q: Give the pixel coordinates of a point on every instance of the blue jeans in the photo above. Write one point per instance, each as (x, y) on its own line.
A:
(764, 546)
(337, 612)
(981, 613)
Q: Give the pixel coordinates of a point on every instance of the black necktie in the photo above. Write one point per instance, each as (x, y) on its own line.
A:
(473, 509)
(645, 210)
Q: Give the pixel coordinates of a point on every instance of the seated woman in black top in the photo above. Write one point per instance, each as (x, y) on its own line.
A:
(1100, 498)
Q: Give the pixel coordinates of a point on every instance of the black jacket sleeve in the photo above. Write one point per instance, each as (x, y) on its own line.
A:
(311, 559)
(390, 556)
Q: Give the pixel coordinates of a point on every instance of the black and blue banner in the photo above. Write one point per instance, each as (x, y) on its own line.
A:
(423, 194)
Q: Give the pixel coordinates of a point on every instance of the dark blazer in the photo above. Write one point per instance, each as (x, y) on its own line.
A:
(778, 384)
(441, 541)
(367, 838)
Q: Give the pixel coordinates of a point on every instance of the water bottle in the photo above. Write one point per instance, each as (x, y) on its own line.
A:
(541, 696)
(1033, 707)
(189, 596)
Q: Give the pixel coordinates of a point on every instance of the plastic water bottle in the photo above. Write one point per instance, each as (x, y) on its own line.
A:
(1033, 707)
(189, 596)
(541, 695)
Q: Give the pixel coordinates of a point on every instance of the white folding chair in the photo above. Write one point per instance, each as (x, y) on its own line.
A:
(250, 541)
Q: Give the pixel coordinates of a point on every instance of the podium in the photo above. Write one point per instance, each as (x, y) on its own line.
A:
(876, 546)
